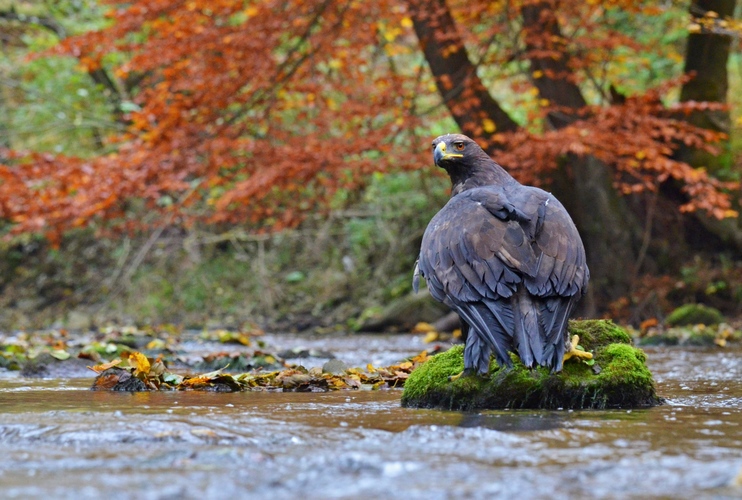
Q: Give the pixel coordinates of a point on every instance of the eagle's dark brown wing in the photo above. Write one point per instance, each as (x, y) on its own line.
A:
(512, 264)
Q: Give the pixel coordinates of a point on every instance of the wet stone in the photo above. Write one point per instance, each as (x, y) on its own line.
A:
(119, 380)
(334, 366)
(47, 366)
(303, 353)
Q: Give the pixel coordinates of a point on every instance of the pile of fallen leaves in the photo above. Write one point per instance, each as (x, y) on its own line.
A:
(137, 372)
(24, 350)
(689, 335)
(149, 359)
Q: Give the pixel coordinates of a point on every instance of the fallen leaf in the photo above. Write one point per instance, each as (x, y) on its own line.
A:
(430, 337)
(423, 327)
(156, 344)
(60, 355)
(139, 362)
(105, 382)
(421, 358)
(105, 366)
(204, 433)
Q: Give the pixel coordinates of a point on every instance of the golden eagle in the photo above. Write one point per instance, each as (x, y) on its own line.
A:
(506, 257)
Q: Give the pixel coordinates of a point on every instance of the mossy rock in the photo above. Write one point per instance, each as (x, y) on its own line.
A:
(619, 378)
(694, 314)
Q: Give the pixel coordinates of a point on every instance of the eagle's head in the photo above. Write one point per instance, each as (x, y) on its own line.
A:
(467, 164)
(455, 149)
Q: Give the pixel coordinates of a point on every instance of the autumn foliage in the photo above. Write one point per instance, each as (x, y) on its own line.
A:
(258, 113)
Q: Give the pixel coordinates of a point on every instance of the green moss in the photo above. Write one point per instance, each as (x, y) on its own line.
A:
(694, 314)
(436, 373)
(599, 332)
(619, 378)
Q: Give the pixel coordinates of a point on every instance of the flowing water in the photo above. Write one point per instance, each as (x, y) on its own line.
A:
(60, 440)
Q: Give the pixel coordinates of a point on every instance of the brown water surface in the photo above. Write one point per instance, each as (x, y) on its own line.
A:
(60, 440)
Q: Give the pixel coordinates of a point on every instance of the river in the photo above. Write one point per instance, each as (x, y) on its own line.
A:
(60, 440)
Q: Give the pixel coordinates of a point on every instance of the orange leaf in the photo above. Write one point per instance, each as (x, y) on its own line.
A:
(105, 366)
(421, 358)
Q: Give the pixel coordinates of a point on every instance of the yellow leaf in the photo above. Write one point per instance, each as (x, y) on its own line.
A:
(430, 337)
(139, 362)
(251, 11)
(543, 102)
(406, 22)
(423, 327)
(156, 344)
(640, 155)
(488, 125)
(196, 381)
(538, 74)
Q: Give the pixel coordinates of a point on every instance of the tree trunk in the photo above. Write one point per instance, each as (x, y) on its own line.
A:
(608, 227)
(706, 57)
(550, 72)
(471, 105)
(706, 60)
(4, 124)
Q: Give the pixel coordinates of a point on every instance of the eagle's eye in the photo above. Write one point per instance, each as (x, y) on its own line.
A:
(459, 146)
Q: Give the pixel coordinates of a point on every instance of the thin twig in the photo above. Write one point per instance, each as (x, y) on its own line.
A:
(647, 235)
(118, 284)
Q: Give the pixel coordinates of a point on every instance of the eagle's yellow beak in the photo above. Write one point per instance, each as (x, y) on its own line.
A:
(440, 153)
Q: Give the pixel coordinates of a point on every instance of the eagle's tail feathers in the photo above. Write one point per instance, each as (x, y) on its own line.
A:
(477, 353)
(554, 315)
(529, 338)
(488, 329)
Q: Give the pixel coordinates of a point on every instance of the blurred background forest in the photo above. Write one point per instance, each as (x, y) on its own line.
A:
(228, 161)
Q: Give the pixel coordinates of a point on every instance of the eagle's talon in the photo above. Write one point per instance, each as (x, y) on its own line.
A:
(465, 373)
(574, 352)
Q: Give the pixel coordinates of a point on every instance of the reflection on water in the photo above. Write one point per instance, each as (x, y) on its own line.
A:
(514, 421)
(60, 440)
